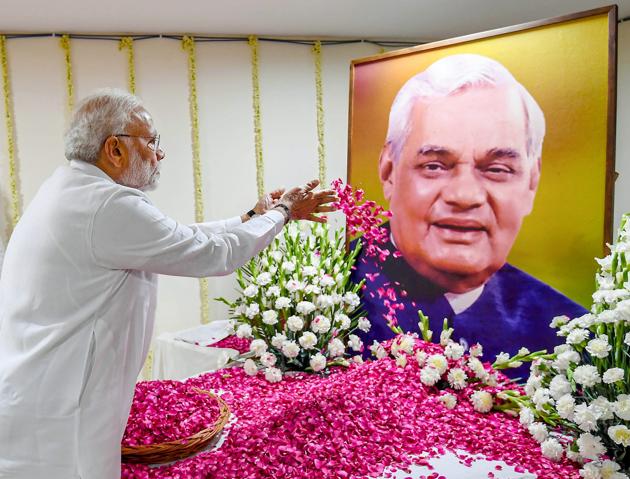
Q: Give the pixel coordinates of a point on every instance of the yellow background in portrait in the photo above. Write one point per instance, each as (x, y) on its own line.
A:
(565, 67)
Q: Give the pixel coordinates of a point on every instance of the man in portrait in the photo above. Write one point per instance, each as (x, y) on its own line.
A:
(460, 168)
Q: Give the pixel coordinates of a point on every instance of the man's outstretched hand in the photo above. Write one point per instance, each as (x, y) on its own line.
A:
(303, 202)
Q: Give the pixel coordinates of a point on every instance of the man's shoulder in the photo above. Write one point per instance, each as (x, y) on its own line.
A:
(518, 289)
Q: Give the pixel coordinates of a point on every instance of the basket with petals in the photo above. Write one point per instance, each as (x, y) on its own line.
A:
(174, 449)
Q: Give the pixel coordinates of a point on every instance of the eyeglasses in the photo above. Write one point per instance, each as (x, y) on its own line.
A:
(153, 144)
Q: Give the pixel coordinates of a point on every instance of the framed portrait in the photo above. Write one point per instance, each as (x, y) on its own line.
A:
(484, 169)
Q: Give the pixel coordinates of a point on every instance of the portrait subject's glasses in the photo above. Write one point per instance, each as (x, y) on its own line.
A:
(153, 144)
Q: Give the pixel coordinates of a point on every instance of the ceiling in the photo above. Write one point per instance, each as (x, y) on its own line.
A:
(417, 20)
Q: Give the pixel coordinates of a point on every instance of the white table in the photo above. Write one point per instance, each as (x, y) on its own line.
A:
(174, 359)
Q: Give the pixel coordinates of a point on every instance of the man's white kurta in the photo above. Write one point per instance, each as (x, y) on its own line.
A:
(77, 306)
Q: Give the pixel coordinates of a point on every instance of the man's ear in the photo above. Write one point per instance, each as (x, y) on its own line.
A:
(112, 152)
(386, 171)
(535, 176)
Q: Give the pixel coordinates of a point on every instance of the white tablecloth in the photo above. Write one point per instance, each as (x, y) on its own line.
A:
(174, 359)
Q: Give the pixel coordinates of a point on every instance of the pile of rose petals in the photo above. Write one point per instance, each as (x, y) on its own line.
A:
(164, 411)
(234, 342)
(354, 423)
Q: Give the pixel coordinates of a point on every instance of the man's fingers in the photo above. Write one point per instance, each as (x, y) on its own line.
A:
(311, 185)
(316, 219)
(275, 194)
(325, 209)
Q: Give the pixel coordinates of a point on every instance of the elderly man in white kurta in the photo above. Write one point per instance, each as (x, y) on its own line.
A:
(78, 289)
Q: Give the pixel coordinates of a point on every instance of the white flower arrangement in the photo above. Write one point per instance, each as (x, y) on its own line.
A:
(298, 304)
(581, 392)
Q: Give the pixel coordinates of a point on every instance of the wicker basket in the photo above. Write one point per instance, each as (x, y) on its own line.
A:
(182, 448)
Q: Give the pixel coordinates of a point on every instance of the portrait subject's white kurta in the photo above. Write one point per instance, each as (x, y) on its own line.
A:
(77, 306)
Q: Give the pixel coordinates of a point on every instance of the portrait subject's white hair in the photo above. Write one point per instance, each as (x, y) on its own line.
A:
(96, 117)
(449, 76)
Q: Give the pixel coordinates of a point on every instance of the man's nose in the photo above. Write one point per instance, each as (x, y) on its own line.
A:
(464, 189)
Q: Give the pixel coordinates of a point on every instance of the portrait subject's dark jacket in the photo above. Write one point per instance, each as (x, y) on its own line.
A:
(514, 309)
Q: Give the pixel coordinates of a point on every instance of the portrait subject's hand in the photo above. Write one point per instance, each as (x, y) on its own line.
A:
(303, 202)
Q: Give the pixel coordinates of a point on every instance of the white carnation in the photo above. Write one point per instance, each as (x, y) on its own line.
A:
(295, 323)
(403, 343)
(457, 378)
(268, 359)
(290, 349)
(250, 291)
(270, 317)
(533, 383)
(476, 350)
(305, 307)
(277, 255)
(282, 302)
(538, 431)
(288, 266)
(603, 408)
(584, 416)
(336, 348)
(586, 375)
(364, 324)
(482, 401)
(542, 397)
(401, 360)
(293, 285)
(590, 446)
(351, 299)
(454, 350)
(278, 340)
(381, 352)
(258, 347)
(621, 407)
(250, 367)
(355, 342)
(244, 331)
(438, 362)
(273, 375)
(252, 310)
(559, 386)
(613, 375)
(272, 291)
(324, 301)
(357, 359)
(449, 400)
(577, 336)
(526, 416)
(308, 340)
(566, 406)
(309, 271)
(312, 289)
(429, 376)
(620, 434)
(327, 281)
(552, 449)
(263, 279)
(320, 324)
(565, 359)
(342, 320)
(558, 321)
(599, 347)
(421, 357)
(318, 362)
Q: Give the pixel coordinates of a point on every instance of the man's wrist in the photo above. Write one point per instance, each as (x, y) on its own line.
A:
(284, 209)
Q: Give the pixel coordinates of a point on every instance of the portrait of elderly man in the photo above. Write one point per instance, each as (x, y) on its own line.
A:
(79, 282)
(460, 168)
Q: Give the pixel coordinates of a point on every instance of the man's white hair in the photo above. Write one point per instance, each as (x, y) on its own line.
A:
(451, 75)
(104, 113)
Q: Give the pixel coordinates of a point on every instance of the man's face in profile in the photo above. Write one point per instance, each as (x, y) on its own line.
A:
(462, 185)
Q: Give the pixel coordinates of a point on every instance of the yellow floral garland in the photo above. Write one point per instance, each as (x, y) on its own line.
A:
(65, 45)
(253, 45)
(127, 42)
(321, 150)
(188, 44)
(8, 115)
